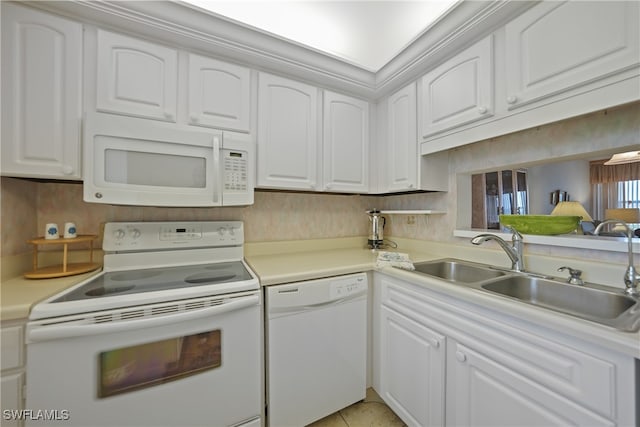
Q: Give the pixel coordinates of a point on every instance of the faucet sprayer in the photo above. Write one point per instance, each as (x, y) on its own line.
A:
(631, 276)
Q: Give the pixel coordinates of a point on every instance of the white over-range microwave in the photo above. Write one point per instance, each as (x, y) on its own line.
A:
(130, 161)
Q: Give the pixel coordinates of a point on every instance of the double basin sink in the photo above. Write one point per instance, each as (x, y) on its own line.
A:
(601, 304)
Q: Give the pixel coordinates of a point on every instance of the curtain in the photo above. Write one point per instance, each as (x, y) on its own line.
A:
(599, 173)
(608, 190)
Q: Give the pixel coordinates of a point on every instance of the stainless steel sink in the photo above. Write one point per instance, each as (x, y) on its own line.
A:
(458, 271)
(587, 302)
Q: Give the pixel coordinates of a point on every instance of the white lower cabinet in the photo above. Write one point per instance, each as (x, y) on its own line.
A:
(413, 366)
(441, 361)
(482, 390)
(13, 371)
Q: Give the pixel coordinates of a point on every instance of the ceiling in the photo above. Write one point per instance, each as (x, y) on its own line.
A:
(367, 34)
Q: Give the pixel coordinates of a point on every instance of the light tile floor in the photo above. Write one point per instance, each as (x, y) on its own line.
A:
(371, 412)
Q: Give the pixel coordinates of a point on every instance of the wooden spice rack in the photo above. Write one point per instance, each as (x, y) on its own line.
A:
(65, 269)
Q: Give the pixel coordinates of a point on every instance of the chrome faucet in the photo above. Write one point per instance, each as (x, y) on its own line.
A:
(631, 277)
(514, 251)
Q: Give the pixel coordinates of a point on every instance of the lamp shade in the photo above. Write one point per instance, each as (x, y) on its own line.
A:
(571, 209)
(630, 216)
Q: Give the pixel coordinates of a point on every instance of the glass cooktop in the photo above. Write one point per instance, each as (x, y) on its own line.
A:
(128, 282)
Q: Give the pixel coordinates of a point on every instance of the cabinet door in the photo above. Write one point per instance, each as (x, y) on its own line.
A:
(287, 134)
(41, 94)
(345, 144)
(459, 91)
(136, 78)
(558, 46)
(412, 369)
(219, 94)
(402, 148)
(11, 389)
(484, 392)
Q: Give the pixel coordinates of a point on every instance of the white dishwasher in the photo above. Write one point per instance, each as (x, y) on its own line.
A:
(316, 348)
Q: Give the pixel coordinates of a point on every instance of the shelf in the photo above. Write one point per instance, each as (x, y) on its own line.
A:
(65, 269)
(413, 212)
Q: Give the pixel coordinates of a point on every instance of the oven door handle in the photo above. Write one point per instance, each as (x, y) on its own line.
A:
(50, 332)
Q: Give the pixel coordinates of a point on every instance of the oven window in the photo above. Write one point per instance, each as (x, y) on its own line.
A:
(154, 169)
(145, 365)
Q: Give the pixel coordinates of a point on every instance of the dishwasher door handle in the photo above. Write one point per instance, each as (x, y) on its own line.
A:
(304, 307)
(37, 333)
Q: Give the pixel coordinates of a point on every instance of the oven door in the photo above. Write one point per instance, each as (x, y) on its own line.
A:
(147, 163)
(193, 362)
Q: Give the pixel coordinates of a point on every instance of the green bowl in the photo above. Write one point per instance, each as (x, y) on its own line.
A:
(546, 225)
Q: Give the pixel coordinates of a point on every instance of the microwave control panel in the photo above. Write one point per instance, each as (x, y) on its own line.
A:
(235, 169)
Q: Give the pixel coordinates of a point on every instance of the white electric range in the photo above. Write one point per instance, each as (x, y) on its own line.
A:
(169, 333)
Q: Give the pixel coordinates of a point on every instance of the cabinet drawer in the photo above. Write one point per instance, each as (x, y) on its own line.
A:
(12, 344)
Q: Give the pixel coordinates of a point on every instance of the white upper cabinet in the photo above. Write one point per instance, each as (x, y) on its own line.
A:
(345, 144)
(402, 142)
(288, 148)
(135, 77)
(41, 94)
(558, 46)
(459, 91)
(219, 94)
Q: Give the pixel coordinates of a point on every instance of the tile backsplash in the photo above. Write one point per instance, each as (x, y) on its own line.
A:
(26, 206)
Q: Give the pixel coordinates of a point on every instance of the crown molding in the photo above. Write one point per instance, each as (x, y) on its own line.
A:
(466, 23)
(187, 27)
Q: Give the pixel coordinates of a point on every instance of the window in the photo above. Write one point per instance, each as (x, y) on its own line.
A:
(616, 187)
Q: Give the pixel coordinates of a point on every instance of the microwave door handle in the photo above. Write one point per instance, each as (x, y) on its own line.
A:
(45, 333)
(218, 175)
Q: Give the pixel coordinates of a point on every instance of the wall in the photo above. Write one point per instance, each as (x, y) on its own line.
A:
(27, 206)
(571, 176)
(562, 141)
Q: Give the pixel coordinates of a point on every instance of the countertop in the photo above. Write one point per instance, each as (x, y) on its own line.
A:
(280, 268)
(18, 295)
(285, 263)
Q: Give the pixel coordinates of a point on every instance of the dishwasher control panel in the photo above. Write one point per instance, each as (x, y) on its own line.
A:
(314, 294)
(347, 287)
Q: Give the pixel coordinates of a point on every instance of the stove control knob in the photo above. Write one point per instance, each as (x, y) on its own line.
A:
(118, 234)
(135, 233)
(222, 231)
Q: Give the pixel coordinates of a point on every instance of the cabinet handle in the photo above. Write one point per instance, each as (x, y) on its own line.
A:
(327, 187)
(411, 186)
(461, 356)
(168, 115)
(436, 344)
(67, 170)
(482, 110)
(194, 119)
(511, 99)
